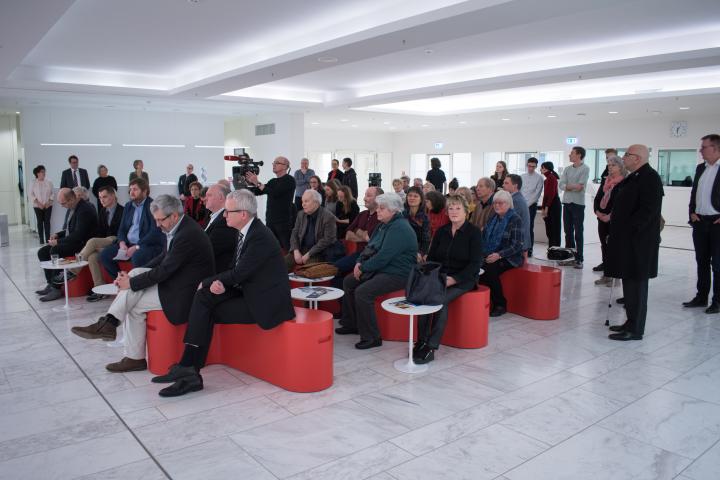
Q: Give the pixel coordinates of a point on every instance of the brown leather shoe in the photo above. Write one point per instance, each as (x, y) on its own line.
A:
(100, 329)
(127, 365)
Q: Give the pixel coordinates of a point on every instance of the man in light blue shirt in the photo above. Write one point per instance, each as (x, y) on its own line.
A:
(572, 182)
(532, 185)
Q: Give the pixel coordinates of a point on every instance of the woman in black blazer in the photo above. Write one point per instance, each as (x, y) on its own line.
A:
(458, 247)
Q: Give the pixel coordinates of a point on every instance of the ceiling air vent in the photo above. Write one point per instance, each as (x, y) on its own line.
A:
(267, 129)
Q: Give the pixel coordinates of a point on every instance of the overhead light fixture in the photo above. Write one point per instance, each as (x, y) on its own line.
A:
(681, 108)
(327, 59)
(429, 51)
(424, 125)
(314, 123)
(151, 145)
(17, 113)
(612, 112)
(344, 120)
(209, 146)
(462, 122)
(581, 114)
(386, 123)
(505, 119)
(76, 144)
(656, 112)
(354, 126)
(393, 128)
(552, 116)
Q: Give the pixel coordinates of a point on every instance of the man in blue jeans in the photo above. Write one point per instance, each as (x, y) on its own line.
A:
(572, 182)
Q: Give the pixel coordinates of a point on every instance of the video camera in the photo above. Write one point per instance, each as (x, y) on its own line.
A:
(246, 163)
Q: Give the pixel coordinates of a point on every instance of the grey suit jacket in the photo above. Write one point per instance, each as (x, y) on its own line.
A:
(325, 232)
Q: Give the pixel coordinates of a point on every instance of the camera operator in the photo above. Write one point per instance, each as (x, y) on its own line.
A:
(281, 192)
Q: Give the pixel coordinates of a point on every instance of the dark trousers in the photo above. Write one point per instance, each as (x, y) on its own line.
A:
(706, 238)
(282, 233)
(573, 218)
(63, 250)
(207, 310)
(358, 303)
(344, 265)
(603, 234)
(553, 227)
(432, 327)
(636, 295)
(491, 278)
(533, 210)
(43, 223)
(139, 259)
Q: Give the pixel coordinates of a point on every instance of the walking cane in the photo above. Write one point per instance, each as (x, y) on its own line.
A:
(612, 288)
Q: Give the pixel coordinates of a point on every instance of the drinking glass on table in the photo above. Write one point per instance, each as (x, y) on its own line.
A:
(54, 258)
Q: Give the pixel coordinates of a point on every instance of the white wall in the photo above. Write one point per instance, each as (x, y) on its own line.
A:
(87, 125)
(9, 195)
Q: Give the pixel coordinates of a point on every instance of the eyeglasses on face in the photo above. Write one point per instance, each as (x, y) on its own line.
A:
(226, 212)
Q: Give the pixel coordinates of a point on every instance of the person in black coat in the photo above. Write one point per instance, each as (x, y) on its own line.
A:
(436, 176)
(103, 180)
(349, 177)
(238, 295)
(705, 221)
(222, 237)
(168, 283)
(458, 247)
(74, 176)
(335, 173)
(79, 226)
(185, 180)
(634, 243)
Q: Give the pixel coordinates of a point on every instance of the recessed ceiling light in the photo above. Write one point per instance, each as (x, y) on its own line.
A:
(344, 120)
(429, 51)
(327, 59)
(552, 116)
(17, 113)
(315, 123)
(581, 114)
(505, 119)
(386, 123)
(612, 112)
(393, 128)
(354, 126)
(424, 125)
(684, 108)
(462, 122)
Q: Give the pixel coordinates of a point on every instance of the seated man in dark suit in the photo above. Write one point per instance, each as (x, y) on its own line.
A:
(137, 236)
(80, 225)
(314, 233)
(109, 216)
(168, 283)
(255, 290)
(222, 237)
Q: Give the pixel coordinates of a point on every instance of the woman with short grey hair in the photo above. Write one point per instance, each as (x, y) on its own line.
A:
(391, 201)
(603, 205)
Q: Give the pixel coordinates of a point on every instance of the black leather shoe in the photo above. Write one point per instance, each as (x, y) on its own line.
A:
(417, 346)
(365, 344)
(53, 294)
(624, 336)
(346, 331)
(424, 355)
(695, 302)
(185, 385)
(713, 308)
(175, 373)
(45, 290)
(95, 297)
(498, 311)
(620, 301)
(617, 328)
(599, 268)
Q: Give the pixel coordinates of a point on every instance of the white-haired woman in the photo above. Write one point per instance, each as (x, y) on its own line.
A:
(383, 266)
(502, 248)
(603, 206)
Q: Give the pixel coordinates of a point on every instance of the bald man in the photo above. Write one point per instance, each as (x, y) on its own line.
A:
(634, 245)
(79, 227)
(280, 211)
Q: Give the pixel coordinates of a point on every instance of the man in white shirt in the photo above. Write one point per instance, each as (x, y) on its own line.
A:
(532, 185)
(705, 222)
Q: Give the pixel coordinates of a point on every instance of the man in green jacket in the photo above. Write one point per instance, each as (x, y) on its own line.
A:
(382, 267)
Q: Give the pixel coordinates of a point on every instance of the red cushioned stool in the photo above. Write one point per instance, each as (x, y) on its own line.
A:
(125, 265)
(467, 325)
(81, 285)
(296, 355)
(164, 342)
(533, 291)
(350, 246)
(393, 327)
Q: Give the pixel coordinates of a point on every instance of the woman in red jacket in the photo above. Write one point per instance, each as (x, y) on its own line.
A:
(194, 206)
(551, 206)
(436, 211)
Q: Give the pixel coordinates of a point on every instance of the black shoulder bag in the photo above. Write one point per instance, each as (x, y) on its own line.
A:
(426, 284)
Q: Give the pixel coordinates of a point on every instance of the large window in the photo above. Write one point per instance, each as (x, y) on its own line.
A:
(490, 159)
(677, 167)
(516, 161)
(462, 169)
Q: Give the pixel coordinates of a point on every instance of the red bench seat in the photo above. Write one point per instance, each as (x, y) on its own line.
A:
(533, 291)
(296, 355)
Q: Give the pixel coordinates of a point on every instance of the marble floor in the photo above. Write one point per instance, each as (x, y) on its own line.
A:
(545, 400)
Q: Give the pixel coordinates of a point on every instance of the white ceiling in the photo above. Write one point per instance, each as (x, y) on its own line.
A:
(411, 62)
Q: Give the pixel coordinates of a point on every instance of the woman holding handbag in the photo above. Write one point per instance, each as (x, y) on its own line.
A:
(457, 246)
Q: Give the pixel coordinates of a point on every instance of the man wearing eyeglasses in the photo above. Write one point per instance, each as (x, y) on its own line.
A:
(166, 283)
(280, 211)
(254, 290)
(632, 251)
(705, 222)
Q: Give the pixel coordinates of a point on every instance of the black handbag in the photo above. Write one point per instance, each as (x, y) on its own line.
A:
(426, 284)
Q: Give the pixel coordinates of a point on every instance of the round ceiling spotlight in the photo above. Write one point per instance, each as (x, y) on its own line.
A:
(327, 59)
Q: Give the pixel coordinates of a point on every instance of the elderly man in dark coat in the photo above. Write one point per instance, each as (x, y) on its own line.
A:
(635, 241)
